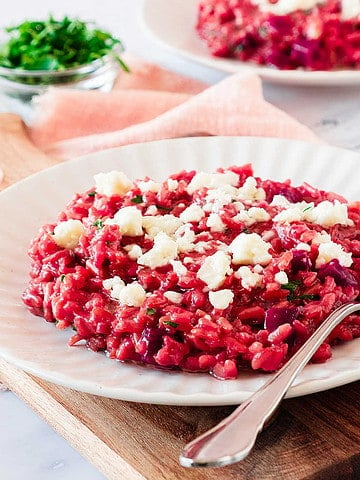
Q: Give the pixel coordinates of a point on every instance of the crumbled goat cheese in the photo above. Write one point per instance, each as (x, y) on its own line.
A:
(174, 297)
(129, 220)
(115, 285)
(248, 278)
(325, 213)
(172, 185)
(161, 223)
(67, 234)
(215, 223)
(149, 186)
(328, 214)
(178, 267)
(152, 210)
(331, 250)
(112, 183)
(193, 213)
(251, 216)
(134, 251)
(217, 198)
(303, 246)
(250, 249)
(132, 295)
(221, 299)
(322, 237)
(214, 269)
(249, 191)
(281, 277)
(185, 238)
(280, 201)
(212, 180)
(164, 250)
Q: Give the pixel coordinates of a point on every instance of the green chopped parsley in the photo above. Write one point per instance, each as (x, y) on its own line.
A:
(56, 45)
(137, 199)
(98, 223)
(92, 194)
(171, 324)
(150, 311)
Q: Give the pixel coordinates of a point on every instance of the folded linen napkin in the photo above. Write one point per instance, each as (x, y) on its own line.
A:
(151, 104)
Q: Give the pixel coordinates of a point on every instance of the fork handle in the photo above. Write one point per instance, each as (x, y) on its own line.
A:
(233, 438)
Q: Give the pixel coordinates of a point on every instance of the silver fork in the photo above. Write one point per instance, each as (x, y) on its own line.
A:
(234, 437)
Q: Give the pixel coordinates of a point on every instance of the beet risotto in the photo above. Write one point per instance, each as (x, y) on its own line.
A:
(218, 273)
(285, 34)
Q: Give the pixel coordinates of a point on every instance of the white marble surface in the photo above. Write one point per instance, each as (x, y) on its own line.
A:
(28, 447)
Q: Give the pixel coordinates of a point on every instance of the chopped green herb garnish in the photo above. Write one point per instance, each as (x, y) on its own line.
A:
(150, 311)
(307, 296)
(74, 328)
(307, 208)
(291, 286)
(55, 45)
(92, 194)
(137, 199)
(171, 324)
(62, 278)
(98, 223)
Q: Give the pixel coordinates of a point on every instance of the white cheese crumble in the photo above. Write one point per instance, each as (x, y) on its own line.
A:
(280, 201)
(132, 295)
(185, 238)
(164, 250)
(214, 269)
(215, 223)
(115, 285)
(129, 220)
(250, 191)
(328, 214)
(217, 198)
(151, 210)
(134, 251)
(112, 183)
(212, 180)
(173, 297)
(281, 277)
(172, 185)
(331, 250)
(322, 237)
(250, 249)
(161, 223)
(67, 234)
(193, 213)
(251, 216)
(178, 268)
(149, 186)
(248, 278)
(221, 299)
(303, 246)
(293, 212)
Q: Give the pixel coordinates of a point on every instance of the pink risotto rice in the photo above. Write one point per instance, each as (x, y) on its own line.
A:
(217, 273)
(317, 38)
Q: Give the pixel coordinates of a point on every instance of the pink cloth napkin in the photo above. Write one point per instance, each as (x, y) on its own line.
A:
(151, 104)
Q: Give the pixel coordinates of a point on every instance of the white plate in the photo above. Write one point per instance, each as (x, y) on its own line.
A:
(37, 347)
(173, 23)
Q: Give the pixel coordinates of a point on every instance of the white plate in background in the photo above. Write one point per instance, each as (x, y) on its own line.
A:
(173, 24)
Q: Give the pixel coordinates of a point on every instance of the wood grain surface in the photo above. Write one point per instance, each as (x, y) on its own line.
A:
(316, 437)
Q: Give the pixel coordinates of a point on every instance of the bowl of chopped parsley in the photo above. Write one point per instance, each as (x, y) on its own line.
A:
(68, 52)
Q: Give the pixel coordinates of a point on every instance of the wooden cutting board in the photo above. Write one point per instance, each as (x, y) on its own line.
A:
(316, 437)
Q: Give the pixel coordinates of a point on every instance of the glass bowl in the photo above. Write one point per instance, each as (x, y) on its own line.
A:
(24, 84)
